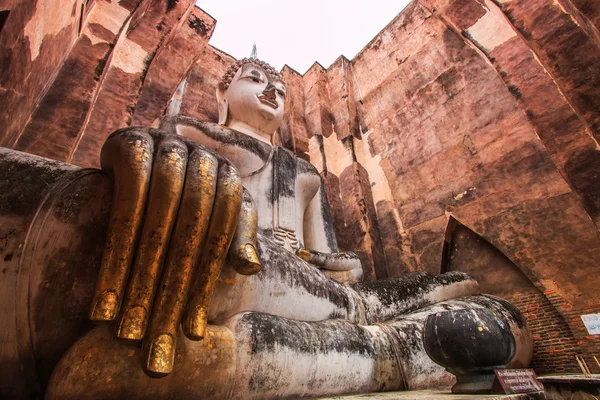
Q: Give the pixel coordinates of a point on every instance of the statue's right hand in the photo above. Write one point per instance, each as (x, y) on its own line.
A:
(177, 208)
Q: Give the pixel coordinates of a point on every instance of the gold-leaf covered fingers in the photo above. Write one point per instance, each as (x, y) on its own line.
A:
(166, 186)
(223, 222)
(184, 252)
(242, 253)
(126, 157)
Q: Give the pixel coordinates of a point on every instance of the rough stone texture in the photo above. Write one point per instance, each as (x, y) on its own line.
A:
(171, 63)
(395, 248)
(360, 221)
(199, 99)
(465, 120)
(95, 90)
(53, 216)
(554, 344)
(54, 126)
(568, 52)
(341, 94)
(34, 41)
(131, 58)
(319, 119)
(588, 9)
(293, 132)
(426, 395)
(483, 111)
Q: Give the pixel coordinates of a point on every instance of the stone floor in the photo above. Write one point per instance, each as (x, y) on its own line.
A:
(427, 395)
(571, 387)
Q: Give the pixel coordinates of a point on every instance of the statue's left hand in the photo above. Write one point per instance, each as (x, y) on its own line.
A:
(344, 261)
(178, 210)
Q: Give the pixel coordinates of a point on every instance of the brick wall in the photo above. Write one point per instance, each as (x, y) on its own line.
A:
(554, 346)
(589, 345)
(556, 340)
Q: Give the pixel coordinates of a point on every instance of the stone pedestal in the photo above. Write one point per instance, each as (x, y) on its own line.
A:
(53, 220)
(470, 344)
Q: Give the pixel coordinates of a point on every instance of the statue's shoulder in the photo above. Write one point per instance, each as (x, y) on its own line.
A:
(175, 124)
(306, 167)
(214, 136)
(301, 165)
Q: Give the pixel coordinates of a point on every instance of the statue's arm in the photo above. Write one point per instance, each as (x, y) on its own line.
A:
(178, 209)
(319, 233)
(245, 153)
(320, 244)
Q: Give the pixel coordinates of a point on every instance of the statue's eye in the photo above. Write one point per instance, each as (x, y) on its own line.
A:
(281, 93)
(255, 79)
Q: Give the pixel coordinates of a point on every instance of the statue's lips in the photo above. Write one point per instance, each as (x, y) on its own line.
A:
(265, 100)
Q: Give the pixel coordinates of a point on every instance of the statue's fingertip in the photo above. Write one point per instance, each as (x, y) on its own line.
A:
(303, 254)
(251, 254)
(194, 325)
(248, 262)
(105, 307)
(161, 356)
(132, 324)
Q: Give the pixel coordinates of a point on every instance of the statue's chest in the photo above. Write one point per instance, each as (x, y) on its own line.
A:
(282, 190)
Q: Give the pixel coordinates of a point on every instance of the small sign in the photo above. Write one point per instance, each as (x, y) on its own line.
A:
(511, 381)
(592, 323)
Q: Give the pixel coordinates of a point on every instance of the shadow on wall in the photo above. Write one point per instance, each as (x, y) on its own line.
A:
(554, 344)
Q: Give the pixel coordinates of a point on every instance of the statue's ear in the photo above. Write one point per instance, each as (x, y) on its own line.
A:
(223, 106)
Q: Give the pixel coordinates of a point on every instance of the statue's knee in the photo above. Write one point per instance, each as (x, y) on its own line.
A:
(100, 366)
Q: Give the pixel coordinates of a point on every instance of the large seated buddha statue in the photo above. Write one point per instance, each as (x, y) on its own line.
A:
(220, 276)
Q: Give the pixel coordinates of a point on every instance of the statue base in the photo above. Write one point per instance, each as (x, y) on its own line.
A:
(440, 394)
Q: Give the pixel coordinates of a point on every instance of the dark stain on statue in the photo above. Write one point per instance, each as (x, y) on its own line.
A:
(408, 338)
(219, 133)
(270, 333)
(404, 294)
(25, 180)
(327, 219)
(85, 207)
(279, 260)
(500, 307)
(284, 173)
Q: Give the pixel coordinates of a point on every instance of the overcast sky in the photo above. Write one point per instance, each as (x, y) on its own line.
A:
(298, 32)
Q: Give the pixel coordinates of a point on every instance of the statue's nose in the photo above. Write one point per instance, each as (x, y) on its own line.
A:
(269, 91)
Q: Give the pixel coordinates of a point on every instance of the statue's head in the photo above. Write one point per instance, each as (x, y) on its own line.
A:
(251, 98)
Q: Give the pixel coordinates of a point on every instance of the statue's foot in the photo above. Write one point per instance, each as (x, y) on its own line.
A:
(266, 357)
(98, 366)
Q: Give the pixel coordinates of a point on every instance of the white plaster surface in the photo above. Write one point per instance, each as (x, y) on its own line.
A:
(130, 57)
(337, 156)
(492, 30)
(50, 17)
(109, 14)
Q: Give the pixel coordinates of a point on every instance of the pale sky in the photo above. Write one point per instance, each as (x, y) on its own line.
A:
(298, 32)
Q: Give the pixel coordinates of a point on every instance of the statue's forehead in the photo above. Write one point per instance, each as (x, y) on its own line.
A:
(251, 67)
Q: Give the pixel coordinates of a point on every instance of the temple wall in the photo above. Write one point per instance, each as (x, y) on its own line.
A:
(483, 112)
(35, 38)
(122, 67)
(475, 110)
(554, 346)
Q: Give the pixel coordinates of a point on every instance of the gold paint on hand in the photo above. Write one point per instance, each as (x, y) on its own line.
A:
(243, 255)
(127, 158)
(162, 355)
(176, 208)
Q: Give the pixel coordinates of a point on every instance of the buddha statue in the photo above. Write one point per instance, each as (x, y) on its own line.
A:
(221, 274)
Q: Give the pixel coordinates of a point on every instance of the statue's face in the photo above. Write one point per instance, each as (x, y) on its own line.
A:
(256, 100)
